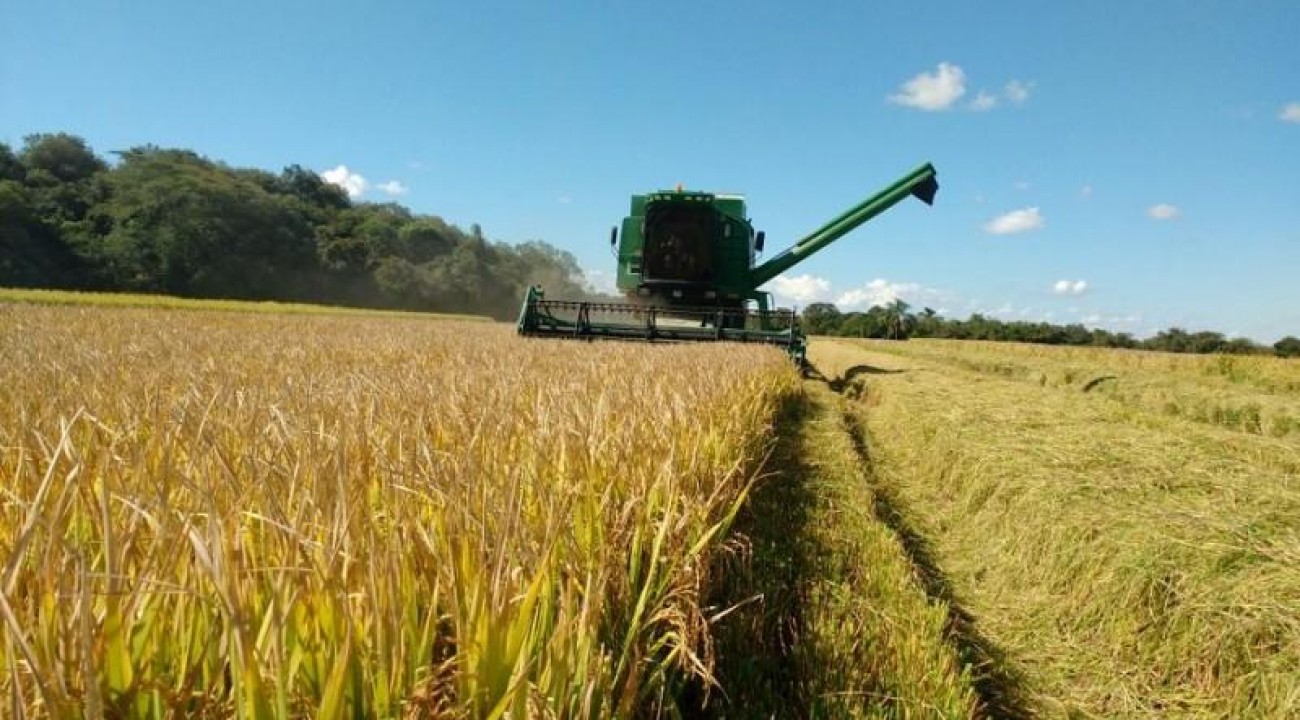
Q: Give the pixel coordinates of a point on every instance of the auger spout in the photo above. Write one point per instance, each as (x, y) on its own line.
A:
(921, 183)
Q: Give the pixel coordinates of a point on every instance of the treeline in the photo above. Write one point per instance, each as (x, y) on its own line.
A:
(898, 321)
(173, 222)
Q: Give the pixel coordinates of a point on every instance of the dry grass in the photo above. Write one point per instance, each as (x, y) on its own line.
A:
(219, 514)
(1132, 563)
(1250, 394)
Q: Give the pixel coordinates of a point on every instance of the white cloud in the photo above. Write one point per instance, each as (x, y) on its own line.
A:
(600, 281)
(806, 289)
(1163, 211)
(1016, 91)
(1006, 309)
(1016, 221)
(882, 292)
(1290, 113)
(1070, 287)
(564, 200)
(877, 292)
(1022, 185)
(983, 101)
(1085, 191)
(394, 188)
(931, 92)
(801, 289)
(1114, 323)
(352, 183)
(1089, 317)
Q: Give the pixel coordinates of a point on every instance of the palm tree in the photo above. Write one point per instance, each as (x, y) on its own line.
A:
(898, 321)
(926, 322)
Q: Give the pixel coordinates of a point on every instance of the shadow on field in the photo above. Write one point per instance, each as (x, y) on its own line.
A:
(846, 380)
(1097, 381)
(764, 586)
(999, 685)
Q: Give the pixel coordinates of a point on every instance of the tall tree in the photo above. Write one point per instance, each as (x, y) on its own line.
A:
(62, 157)
(821, 318)
(898, 321)
(184, 225)
(1287, 347)
(10, 167)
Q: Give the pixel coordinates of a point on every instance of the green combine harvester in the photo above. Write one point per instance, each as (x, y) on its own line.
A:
(686, 267)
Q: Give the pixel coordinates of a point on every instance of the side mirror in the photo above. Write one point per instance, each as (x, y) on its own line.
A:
(613, 236)
(758, 241)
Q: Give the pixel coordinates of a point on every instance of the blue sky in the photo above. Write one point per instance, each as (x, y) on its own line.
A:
(1127, 165)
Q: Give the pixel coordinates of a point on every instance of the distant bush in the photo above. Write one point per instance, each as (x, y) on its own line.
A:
(896, 322)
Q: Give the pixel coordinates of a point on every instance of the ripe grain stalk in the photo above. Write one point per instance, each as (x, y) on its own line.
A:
(220, 514)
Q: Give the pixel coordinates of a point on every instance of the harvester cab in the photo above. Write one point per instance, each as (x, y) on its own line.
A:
(686, 265)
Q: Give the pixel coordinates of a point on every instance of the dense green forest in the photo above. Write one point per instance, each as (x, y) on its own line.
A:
(173, 222)
(898, 321)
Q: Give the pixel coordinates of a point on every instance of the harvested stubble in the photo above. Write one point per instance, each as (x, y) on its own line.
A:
(844, 627)
(1250, 394)
(211, 514)
(1131, 564)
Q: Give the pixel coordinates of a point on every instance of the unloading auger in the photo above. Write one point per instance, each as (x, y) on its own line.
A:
(686, 267)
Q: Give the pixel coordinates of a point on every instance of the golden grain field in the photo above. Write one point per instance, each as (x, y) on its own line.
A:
(261, 515)
(207, 513)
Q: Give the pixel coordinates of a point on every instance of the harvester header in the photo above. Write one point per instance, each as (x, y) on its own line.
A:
(686, 264)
